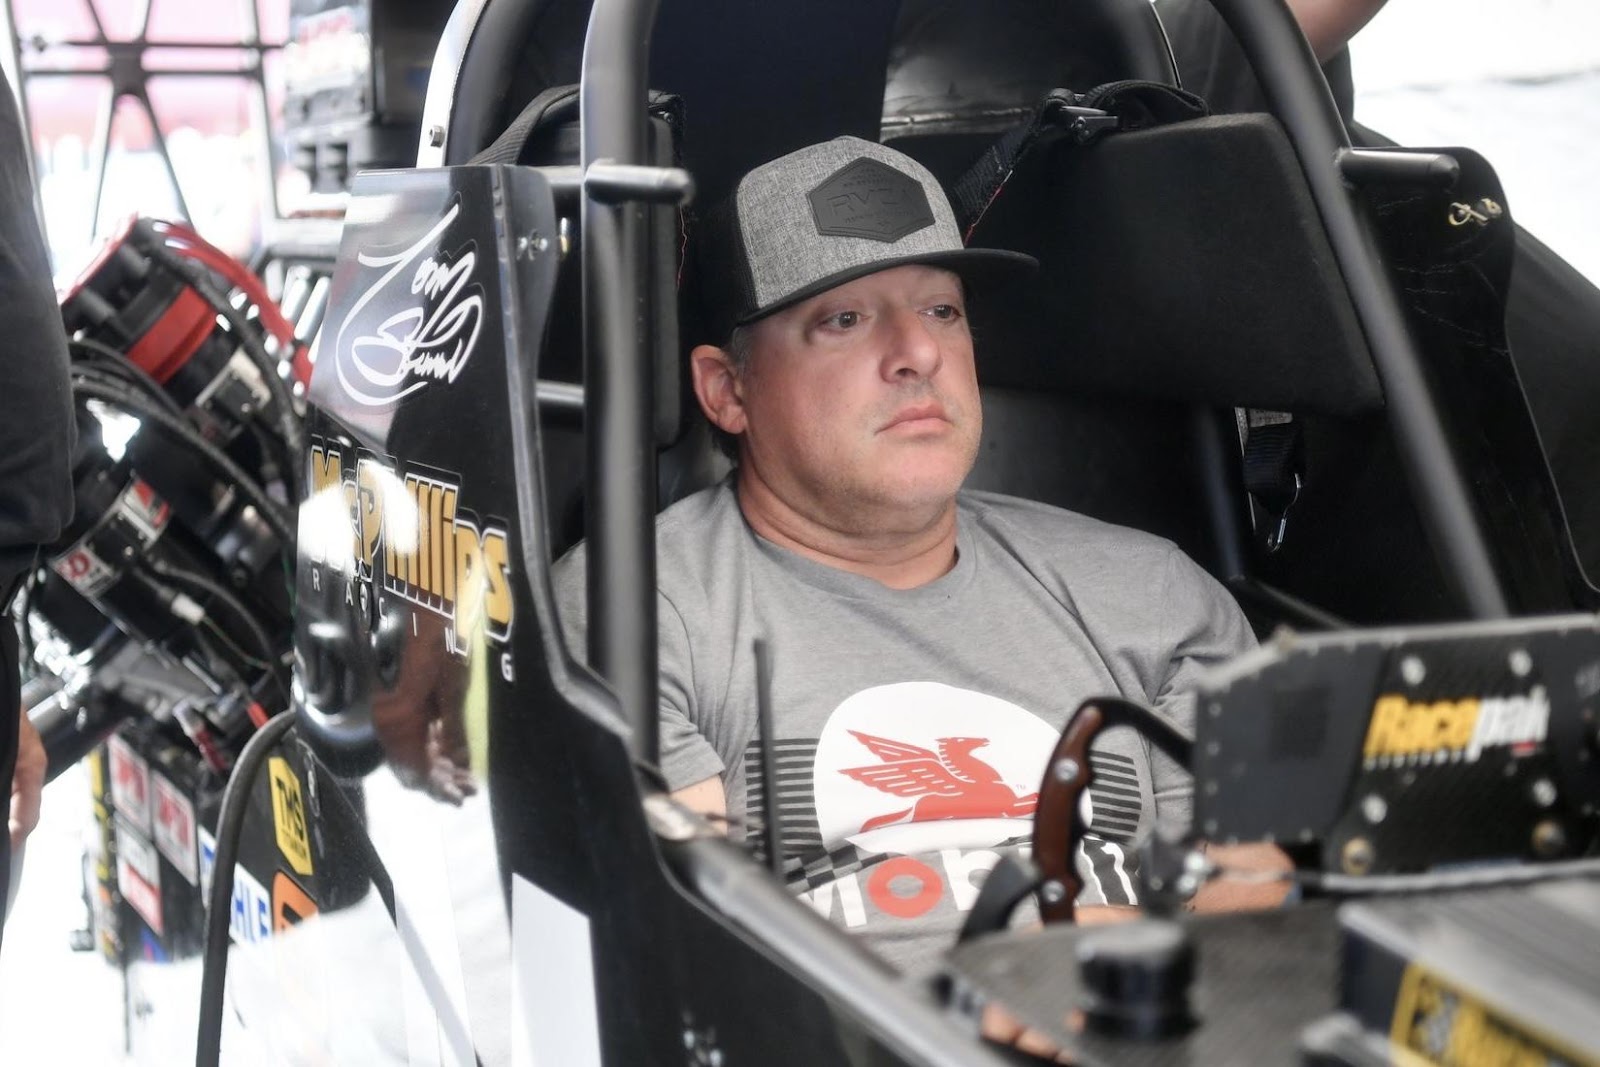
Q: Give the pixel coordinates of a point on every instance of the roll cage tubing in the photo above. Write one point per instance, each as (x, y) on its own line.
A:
(618, 326)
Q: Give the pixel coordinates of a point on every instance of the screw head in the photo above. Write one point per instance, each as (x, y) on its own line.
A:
(1357, 856)
(1374, 808)
(435, 136)
(1413, 670)
(1520, 662)
(1066, 769)
(1053, 892)
(1543, 791)
(1549, 839)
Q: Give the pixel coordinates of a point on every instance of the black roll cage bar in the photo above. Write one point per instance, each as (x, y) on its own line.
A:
(618, 325)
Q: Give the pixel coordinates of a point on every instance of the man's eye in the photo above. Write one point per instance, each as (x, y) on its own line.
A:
(945, 312)
(844, 320)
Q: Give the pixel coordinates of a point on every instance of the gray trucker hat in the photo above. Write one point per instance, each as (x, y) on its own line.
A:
(825, 215)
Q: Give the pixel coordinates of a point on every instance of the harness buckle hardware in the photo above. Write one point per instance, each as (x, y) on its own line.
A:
(1275, 538)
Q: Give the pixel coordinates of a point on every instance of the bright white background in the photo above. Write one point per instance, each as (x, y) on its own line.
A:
(1518, 81)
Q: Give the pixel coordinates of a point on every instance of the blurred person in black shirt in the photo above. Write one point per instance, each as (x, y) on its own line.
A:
(36, 436)
(1213, 65)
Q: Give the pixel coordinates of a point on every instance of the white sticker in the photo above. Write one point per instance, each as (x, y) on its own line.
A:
(130, 784)
(554, 1019)
(250, 914)
(250, 910)
(208, 860)
(139, 875)
(145, 511)
(85, 571)
(174, 826)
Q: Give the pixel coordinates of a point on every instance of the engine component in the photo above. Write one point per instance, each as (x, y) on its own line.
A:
(189, 446)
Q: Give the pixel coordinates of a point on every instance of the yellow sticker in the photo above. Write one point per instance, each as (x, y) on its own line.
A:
(1437, 1022)
(289, 815)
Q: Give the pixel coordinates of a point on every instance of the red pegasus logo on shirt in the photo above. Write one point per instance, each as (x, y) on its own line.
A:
(951, 783)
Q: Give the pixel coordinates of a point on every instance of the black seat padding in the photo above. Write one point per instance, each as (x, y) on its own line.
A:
(1186, 262)
(961, 73)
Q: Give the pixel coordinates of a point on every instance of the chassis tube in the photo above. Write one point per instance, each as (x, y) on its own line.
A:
(618, 326)
(1282, 61)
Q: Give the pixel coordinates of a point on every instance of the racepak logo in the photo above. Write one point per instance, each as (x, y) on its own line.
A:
(417, 324)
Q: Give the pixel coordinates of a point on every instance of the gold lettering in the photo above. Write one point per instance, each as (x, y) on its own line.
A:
(1456, 726)
(1388, 714)
(436, 541)
(1400, 728)
(446, 545)
(369, 509)
(469, 579)
(421, 570)
(498, 565)
(325, 469)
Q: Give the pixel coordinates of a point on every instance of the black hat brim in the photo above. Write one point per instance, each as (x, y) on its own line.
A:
(979, 268)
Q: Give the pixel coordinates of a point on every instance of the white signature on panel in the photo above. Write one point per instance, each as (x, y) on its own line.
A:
(428, 341)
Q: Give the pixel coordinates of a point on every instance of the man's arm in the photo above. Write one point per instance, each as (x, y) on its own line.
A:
(707, 797)
(688, 760)
(1260, 858)
(27, 782)
(1329, 24)
(36, 436)
(1206, 629)
(1213, 65)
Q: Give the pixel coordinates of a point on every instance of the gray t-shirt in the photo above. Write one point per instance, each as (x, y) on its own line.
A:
(911, 727)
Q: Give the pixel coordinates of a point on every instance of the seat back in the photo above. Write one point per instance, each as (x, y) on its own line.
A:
(1186, 274)
(960, 73)
(1185, 270)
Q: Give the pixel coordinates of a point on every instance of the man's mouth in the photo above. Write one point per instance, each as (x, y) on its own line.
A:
(919, 416)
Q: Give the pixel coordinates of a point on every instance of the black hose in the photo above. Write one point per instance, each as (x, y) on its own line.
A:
(269, 654)
(230, 823)
(102, 357)
(288, 422)
(271, 511)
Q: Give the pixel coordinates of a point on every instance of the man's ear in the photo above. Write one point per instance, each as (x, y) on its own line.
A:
(718, 388)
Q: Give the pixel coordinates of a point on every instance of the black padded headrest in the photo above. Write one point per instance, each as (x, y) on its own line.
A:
(1184, 262)
(960, 73)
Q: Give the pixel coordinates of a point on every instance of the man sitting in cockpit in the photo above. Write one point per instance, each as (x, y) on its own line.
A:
(927, 643)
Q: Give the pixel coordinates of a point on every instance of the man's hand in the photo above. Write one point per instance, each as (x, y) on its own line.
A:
(1265, 891)
(27, 783)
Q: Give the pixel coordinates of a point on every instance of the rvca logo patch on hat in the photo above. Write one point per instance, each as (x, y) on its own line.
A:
(872, 200)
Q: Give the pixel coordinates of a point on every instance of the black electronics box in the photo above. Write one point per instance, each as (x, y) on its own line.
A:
(355, 77)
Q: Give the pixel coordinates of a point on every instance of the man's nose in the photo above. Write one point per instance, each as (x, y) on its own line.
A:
(912, 351)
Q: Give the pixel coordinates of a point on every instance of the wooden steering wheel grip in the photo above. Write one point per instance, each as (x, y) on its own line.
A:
(1058, 826)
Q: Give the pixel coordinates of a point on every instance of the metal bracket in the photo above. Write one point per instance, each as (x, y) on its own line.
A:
(1367, 166)
(623, 183)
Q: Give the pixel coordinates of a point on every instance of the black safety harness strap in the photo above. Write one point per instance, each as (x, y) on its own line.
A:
(1274, 464)
(559, 104)
(1271, 443)
(1084, 117)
